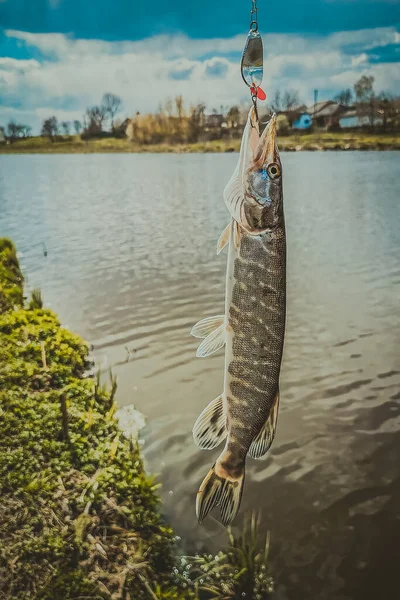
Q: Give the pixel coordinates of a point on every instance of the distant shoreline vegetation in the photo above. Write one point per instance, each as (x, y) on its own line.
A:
(358, 119)
(299, 142)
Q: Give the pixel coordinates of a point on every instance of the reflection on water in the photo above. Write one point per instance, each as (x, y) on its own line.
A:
(132, 266)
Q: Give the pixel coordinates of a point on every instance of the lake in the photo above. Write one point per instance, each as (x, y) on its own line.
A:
(132, 265)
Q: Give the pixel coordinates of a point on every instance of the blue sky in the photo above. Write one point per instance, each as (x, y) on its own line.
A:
(59, 56)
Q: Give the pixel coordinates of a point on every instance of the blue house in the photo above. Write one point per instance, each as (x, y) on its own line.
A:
(303, 121)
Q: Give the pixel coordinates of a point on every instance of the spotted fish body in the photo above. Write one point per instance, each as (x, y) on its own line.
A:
(254, 348)
(253, 325)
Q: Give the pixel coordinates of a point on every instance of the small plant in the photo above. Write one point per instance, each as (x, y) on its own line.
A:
(36, 299)
(241, 571)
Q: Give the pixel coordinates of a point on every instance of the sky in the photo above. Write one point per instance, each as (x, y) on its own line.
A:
(58, 57)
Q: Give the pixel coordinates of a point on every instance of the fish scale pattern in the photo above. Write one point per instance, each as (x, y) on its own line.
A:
(257, 318)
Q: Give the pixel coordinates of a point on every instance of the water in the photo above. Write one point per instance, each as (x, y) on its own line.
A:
(132, 266)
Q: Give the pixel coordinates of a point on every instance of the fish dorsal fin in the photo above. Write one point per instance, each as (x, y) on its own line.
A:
(213, 342)
(224, 238)
(204, 327)
(262, 443)
(210, 427)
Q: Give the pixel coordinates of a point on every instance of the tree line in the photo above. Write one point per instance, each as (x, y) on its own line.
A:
(174, 123)
(91, 125)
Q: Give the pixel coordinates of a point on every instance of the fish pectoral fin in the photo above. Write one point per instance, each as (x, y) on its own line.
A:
(206, 326)
(224, 238)
(262, 443)
(210, 427)
(213, 342)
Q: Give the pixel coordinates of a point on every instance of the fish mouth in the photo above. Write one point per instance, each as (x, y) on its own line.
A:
(254, 133)
(249, 145)
(266, 150)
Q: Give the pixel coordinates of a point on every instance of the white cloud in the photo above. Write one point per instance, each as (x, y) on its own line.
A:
(74, 73)
(360, 59)
(10, 64)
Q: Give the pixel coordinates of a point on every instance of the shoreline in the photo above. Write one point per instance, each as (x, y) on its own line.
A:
(317, 142)
(79, 515)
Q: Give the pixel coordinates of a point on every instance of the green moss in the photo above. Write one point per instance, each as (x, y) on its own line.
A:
(11, 292)
(78, 514)
(79, 517)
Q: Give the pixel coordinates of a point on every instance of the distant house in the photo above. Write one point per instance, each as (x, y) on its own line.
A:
(349, 119)
(303, 121)
(124, 124)
(326, 114)
(122, 128)
(298, 117)
(358, 117)
(2, 136)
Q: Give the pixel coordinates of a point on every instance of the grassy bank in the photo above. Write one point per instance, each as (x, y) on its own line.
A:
(313, 141)
(79, 517)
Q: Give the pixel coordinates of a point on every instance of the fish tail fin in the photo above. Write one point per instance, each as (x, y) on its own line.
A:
(221, 487)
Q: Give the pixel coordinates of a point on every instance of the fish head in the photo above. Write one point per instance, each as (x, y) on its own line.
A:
(264, 179)
(254, 193)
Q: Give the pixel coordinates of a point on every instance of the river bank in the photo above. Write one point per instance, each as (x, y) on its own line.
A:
(79, 516)
(293, 143)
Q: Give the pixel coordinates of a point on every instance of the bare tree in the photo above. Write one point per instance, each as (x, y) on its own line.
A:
(77, 127)
(26, 131)
(366, 98)
(96, 116)
(276, 104)
(180, 111)
(169, 108)
(65, 125)
(12, 131)
(196, 122)
(16, 130)
(111, 105)
(288, 100)
(364, 88)
(345, 97)
(50, 128)
(180, 120)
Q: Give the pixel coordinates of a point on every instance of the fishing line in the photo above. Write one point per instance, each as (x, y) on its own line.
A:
(253, 60)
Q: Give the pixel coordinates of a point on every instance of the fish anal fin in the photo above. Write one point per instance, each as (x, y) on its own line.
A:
(206, 326)
(262, 443)
(210, 427)
(224, 238)
(213, 342)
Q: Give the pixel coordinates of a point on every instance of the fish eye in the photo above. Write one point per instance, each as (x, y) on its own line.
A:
(273, 170)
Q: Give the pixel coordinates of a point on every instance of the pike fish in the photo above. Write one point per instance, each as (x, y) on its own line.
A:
(253, 326)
